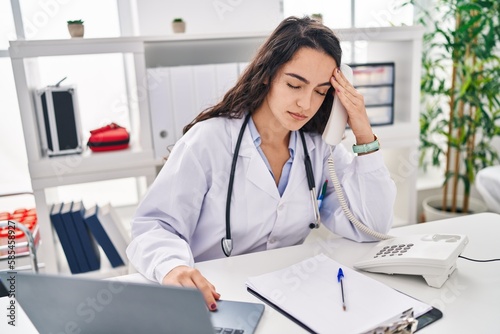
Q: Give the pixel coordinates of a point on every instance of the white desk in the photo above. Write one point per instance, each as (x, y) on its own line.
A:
(469, 300)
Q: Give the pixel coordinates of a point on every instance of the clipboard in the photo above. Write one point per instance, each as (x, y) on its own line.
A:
(406, 323)
(308, 293)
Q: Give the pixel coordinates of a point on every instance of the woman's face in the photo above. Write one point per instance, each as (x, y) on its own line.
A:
(299, 88)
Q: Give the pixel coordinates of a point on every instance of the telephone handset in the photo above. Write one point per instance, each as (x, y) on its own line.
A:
(332, 135)
(432, 256)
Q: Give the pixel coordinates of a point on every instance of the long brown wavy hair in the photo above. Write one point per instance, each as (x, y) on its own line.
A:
(251, 88)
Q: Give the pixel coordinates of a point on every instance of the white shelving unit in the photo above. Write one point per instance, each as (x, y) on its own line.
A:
(399, 141)
(47, 173)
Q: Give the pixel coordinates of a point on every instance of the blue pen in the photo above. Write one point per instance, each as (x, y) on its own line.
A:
(322, 194)
(340, 278)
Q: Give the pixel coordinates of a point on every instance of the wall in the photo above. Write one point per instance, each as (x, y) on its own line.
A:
(207, 17)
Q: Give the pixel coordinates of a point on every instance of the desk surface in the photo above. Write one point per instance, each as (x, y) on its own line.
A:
(469, 300)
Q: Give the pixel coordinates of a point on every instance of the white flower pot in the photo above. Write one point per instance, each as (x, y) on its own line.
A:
(432, 207)
(76, 30)
(179, 27)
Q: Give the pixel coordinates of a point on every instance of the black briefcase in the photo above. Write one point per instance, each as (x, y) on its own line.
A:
(59, 120)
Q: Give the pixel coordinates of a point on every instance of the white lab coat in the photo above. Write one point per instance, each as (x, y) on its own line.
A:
(181, 219)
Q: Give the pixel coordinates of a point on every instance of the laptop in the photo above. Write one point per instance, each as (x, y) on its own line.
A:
(61, 304)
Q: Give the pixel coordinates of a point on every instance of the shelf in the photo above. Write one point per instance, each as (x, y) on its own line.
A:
(75, 46)
(384, 34)
(66, 166)
(105, 271)
(84, 46)
(218, 49)
(80, 46)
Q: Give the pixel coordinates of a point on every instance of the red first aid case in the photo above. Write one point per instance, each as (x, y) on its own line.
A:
(109, 138)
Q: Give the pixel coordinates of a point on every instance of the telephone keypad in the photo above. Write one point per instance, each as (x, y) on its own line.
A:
(393, 250)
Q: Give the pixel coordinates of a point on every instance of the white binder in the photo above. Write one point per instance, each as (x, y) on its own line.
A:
(162, 115)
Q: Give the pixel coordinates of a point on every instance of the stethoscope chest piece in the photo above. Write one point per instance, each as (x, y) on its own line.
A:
(313, 225)
(227, 246)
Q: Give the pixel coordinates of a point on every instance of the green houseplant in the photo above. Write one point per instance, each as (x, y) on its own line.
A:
(460, 89)
(178, 25)
(76, 28)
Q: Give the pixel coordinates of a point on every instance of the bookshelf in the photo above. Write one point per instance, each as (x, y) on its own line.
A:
(48, 173)
(401, 45)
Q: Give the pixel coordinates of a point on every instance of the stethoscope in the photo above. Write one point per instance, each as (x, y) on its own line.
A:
(227, 242)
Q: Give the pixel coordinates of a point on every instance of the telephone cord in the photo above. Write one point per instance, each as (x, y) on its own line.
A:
(340, 195)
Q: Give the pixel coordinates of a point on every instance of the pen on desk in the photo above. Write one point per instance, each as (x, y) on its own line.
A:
(340, 278)
(322, 194)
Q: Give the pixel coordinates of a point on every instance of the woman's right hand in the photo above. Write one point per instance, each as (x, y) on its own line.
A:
(189, 277)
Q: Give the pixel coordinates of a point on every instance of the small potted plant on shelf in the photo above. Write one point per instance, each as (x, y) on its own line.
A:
(460, 89)
(76, 28)
(318, 17)
(178, 25)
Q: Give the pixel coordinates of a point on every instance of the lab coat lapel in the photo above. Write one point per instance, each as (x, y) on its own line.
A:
(257, 171)
(259, 175)
(298, 172)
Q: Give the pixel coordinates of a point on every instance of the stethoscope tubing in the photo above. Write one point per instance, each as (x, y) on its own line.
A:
(226, 243)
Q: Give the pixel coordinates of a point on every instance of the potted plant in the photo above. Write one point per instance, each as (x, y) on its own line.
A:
(318, 17)
(76, 28)
(178, 25)
(460, 90)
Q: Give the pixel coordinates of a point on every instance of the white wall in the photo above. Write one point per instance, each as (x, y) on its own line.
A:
(207, 17)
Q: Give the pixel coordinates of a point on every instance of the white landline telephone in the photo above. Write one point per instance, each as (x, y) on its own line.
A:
(431, 255)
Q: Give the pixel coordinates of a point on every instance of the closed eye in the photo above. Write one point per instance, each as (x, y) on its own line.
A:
(292, 86)
(321, 93)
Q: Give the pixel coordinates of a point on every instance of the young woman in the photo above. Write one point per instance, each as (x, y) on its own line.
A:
(287, 87)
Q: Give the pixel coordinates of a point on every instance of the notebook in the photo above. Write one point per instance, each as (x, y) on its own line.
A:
(60, 304)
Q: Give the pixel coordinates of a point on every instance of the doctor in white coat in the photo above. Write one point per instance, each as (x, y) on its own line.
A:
(286, 88)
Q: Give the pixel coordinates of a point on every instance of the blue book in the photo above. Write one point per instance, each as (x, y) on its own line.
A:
(88, 242)
(92, 220)
(73, 237)
(57, 222)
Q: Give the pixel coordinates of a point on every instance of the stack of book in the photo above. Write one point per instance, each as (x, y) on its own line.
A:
(81, 231)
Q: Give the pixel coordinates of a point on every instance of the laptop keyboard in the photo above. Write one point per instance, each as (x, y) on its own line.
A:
(219, 330)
